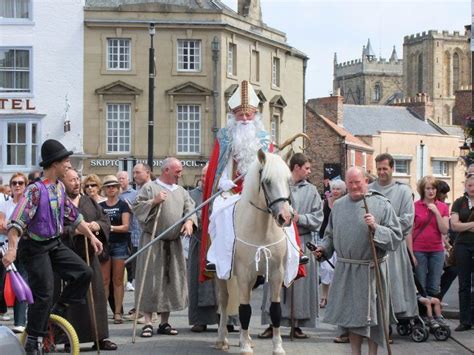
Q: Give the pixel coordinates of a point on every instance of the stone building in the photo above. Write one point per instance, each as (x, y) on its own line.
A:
(203, 51)
(368, 80)
(439, 64)
(405, 130)
(41, 80)
(333, 149)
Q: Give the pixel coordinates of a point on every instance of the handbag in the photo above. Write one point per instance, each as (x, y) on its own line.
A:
(450, 259)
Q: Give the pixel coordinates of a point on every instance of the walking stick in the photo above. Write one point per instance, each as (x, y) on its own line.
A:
(292, 315)
(378, 282)
(142, 283)
(189, 214)
(94, 317)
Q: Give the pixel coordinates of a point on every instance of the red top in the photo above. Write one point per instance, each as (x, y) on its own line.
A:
(429, 239)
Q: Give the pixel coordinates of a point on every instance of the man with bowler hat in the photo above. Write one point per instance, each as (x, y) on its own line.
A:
(38, 219)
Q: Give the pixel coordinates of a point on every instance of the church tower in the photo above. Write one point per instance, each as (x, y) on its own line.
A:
(438, 64)
(368, 80)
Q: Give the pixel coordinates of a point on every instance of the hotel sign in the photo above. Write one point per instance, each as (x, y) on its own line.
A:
(17, 104)
(119, 163)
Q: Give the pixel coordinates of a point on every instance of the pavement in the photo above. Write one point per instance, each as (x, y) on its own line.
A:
(319, 342)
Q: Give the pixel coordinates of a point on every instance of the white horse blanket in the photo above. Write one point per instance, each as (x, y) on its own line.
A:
(222, 249)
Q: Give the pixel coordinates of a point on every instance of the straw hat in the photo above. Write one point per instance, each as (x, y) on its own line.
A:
(110, 180)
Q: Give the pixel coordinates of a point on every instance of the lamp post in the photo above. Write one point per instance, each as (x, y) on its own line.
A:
(215, 93)
(422, 152)
(464, 153)
(151, 95)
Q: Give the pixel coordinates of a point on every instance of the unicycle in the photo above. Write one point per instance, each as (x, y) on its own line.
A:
(61, 338)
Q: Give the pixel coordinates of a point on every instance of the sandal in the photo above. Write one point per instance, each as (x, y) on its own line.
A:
(147, 331)
(267, 333)
(106, 344)
(323, 302)
(166, 329)
(298, 333)
(118, 318)
(341, 340)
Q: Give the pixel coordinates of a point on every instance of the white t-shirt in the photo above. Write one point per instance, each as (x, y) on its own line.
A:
(6, 207)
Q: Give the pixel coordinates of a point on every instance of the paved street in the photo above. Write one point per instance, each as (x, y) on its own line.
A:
(320, 341)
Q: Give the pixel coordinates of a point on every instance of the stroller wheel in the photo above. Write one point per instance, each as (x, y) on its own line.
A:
(419, 334)
(442, 333)
(404, 329)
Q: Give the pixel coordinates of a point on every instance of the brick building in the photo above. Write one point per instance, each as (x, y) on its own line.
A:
(463, 105)
(333, 149)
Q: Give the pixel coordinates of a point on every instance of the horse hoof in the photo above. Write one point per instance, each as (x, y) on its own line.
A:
(221, 345)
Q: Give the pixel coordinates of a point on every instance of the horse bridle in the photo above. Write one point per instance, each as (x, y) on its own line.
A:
(269, 202)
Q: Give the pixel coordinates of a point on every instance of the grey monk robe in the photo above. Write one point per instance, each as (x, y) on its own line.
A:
(402, 283)
(353, 303)
(306, 201)
(165, 288)
(202, 295)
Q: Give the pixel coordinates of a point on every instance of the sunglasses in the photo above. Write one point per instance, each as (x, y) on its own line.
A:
(19, 183)
(88, 186)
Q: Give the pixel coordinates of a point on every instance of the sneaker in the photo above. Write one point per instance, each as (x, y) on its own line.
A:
(129, 287)
(18, 329)
(432, 324)
(441, 321)
(5, 317)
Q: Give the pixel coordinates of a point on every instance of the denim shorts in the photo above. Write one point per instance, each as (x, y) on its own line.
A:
(119, 250)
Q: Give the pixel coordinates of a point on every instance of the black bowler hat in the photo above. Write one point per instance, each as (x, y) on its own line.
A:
(53, 151)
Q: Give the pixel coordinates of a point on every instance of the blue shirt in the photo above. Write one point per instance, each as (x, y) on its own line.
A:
(130, 196)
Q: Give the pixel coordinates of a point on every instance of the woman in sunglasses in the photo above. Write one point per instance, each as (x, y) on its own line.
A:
(17, 185)
(92, 188)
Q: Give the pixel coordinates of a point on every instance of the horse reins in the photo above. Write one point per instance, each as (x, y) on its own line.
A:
(268, 202)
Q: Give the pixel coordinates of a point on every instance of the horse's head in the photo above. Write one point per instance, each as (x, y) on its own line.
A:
(275, 187)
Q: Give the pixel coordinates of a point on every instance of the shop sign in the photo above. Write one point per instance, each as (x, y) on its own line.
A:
(17, 104)
(119, 163)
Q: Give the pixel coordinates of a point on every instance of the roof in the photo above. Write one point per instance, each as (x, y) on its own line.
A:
(341, 131)
(363, 120)
(194, 4)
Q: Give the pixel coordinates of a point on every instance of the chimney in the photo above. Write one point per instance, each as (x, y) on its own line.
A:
(250, 9)
(330, 107)
(420, 105)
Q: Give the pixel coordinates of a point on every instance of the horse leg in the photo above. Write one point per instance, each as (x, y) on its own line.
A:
(275, 315)
(222, 343)
(245, 313)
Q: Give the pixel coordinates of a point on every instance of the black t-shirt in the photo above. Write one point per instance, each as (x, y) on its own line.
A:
(115, 213)
(461, 207)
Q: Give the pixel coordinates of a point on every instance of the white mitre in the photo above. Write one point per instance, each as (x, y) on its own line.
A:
(244, 98)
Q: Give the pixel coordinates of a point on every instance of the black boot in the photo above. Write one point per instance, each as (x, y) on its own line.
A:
(210, 267)
(304, 260)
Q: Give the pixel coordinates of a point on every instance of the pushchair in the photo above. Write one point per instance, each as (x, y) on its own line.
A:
(417, 327)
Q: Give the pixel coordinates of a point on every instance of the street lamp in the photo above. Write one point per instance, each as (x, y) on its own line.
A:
(422, 151)
(151, 95)
(215, 47)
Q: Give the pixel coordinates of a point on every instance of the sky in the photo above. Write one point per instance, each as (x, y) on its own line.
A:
(321, 27)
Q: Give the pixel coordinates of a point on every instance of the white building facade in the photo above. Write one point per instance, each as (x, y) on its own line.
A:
(41, 80)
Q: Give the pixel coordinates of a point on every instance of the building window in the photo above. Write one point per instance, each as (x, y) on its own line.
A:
(189, 129)
(420, 74)
(15, 70)
(440, 168)
(456, 76)
(378, 92)
(276, 71)
(232, 59)
(118, 54)
(364, 161)
(15, 9)
(275, 134)
(21, 144)
(401, 166)
(189, 55)
(255, 66)
(118, 128)
(352, 157)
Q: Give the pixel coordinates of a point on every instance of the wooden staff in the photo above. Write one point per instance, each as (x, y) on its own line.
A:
(142, 283)
(378, 282)
(292, 314)
(94, 317)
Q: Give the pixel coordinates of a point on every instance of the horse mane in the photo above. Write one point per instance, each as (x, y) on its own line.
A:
(274, 169)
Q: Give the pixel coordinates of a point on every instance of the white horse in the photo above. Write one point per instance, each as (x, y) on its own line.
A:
(259, 217)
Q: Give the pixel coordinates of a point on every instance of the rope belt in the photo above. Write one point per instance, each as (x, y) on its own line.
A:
(370, 264)
(262, 249)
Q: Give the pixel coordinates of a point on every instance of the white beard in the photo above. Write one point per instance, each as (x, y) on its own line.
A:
(244, 141)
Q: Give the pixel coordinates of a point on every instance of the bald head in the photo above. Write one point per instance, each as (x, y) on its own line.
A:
(171, 171)
(357, 182)
(72, 183)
